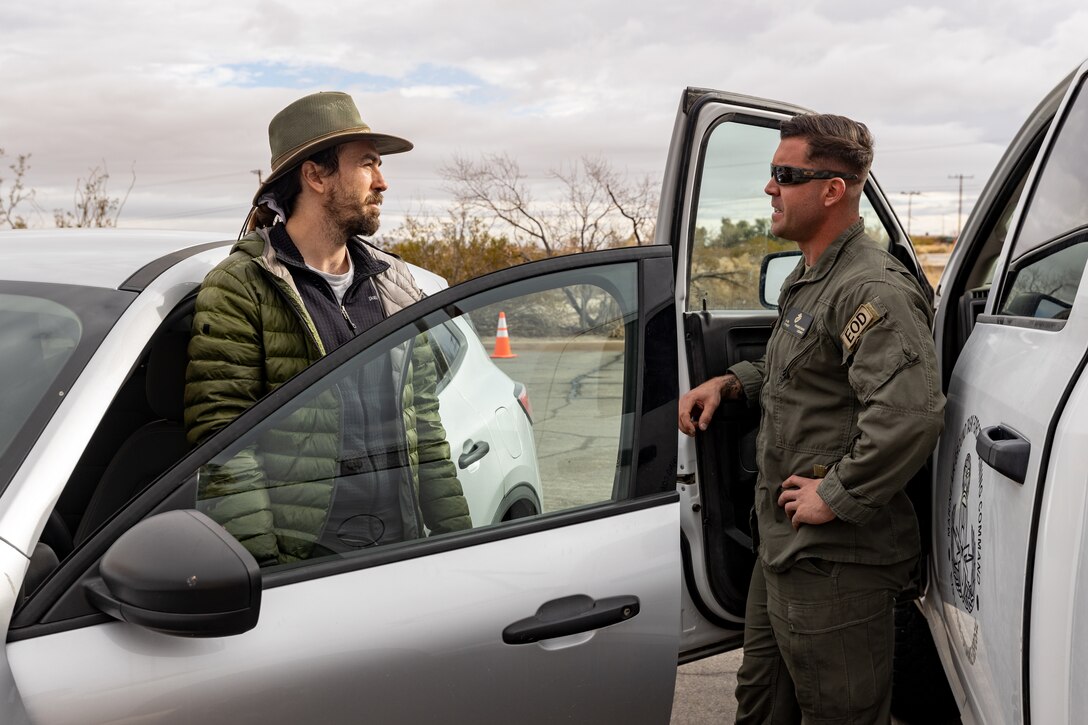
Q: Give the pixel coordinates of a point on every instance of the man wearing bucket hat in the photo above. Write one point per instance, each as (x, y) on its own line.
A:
(298, 284)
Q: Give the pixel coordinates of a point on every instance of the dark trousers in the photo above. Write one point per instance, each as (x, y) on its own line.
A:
(818, 643)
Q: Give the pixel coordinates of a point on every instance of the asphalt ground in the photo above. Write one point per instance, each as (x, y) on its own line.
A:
(704, 691)
(576, 392)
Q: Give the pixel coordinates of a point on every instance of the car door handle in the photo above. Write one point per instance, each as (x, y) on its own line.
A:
(571, 615)
(1005, 450)
(472, 452)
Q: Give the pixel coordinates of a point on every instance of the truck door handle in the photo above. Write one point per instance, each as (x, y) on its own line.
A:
(1005, 450)
(472, 452)
(571, 615)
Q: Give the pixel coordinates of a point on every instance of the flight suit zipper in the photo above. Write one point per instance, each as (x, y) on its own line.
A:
(798, 358)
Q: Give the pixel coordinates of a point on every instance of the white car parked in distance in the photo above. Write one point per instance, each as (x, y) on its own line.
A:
(479, 416)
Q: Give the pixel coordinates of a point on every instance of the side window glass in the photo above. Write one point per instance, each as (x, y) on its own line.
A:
(448, 342)
(1059, 203)
(374, 454)
(733, 218)
(995, 240)
(1045, 286)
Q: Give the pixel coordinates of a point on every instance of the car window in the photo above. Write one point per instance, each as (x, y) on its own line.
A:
(367, 456)
(1059, 203)
(448, 342)
(1044, 286)
(995, 240)
(731, 230)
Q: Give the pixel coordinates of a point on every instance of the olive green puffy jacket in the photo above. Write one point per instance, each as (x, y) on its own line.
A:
(251, 333)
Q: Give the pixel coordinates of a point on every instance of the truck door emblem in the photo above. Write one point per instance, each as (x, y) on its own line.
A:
(964, 529)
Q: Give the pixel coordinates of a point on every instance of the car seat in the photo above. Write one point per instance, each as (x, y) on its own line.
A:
(156, 445)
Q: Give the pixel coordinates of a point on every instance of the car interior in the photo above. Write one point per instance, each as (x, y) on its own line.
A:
(141, 435)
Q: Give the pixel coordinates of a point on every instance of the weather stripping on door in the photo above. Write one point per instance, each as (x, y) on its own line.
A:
(571, 615)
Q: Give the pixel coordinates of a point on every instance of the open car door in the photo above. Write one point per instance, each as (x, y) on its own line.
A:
(572, 610)
(717, 219)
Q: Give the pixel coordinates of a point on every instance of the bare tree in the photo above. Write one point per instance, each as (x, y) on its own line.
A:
(17, 194)
(596, 208)
(634, 199)
(92, 204)
(585, 219)
(496, 186)
(457, 246)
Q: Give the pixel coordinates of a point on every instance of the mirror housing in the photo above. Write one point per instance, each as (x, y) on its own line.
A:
(773, 271)
(179, 573)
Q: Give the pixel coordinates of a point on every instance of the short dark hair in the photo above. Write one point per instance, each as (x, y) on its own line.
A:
(287, 188)
(846, 145)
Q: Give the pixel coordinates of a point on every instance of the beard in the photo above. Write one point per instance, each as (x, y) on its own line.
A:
(351, 215)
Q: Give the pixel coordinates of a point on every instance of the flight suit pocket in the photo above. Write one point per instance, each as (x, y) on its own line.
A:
(813, 405)
(887, 354)
(843, 652)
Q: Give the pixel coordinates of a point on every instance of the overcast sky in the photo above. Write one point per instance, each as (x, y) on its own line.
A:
(183, 92)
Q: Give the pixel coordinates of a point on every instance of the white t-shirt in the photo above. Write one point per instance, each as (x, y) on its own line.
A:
(338, 282)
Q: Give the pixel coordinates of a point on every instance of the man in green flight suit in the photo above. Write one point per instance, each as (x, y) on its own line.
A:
(851, 407)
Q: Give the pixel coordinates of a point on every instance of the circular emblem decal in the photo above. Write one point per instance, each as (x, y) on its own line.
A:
(964, 528)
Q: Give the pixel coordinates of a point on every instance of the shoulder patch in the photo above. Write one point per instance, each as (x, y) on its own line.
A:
(861, 321)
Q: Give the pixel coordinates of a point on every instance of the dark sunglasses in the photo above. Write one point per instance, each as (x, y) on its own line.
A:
(787, 175)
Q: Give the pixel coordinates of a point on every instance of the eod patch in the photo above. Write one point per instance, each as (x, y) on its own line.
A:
(861, 321)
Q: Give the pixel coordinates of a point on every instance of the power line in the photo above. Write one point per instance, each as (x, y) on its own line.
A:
(191, 180)
(959, 214)
(910, 198)
(193, 212)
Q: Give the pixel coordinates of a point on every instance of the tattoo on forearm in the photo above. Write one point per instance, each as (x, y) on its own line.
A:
(731, 387)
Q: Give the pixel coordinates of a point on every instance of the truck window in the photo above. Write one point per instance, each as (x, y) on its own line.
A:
(732, 225)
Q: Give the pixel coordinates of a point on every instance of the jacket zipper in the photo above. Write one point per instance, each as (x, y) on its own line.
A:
(796, 359)
(296, 305)
(347, 318)
(413, 491)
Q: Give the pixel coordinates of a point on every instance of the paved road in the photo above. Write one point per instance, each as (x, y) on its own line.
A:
(704, 691)
(576, 391)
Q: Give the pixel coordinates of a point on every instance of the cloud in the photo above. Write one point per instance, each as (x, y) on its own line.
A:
(185, 92)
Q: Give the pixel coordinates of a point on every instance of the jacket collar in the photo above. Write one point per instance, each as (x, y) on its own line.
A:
(287, 253)
(827, 260)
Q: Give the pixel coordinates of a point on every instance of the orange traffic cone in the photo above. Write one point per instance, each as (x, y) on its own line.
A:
(502, 340)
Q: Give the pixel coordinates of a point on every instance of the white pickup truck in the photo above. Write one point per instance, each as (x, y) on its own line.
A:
(1004, 503)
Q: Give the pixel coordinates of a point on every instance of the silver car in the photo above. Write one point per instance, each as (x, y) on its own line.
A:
(93, 335)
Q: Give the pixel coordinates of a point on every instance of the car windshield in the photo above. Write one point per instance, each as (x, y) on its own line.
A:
(47, 334)
(37, 336)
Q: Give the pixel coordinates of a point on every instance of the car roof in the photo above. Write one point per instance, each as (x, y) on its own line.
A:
(427, 281)
(117, 258)
(95, 257)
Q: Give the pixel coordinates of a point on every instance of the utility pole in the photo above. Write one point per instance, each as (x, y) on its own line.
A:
(910, 197)
(258, 173)
(959, 214)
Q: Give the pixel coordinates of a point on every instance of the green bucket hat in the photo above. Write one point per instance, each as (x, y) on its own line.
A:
(314, 123)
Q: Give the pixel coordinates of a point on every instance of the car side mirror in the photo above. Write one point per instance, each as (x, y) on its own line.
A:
(179, 573)
(773, 271)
